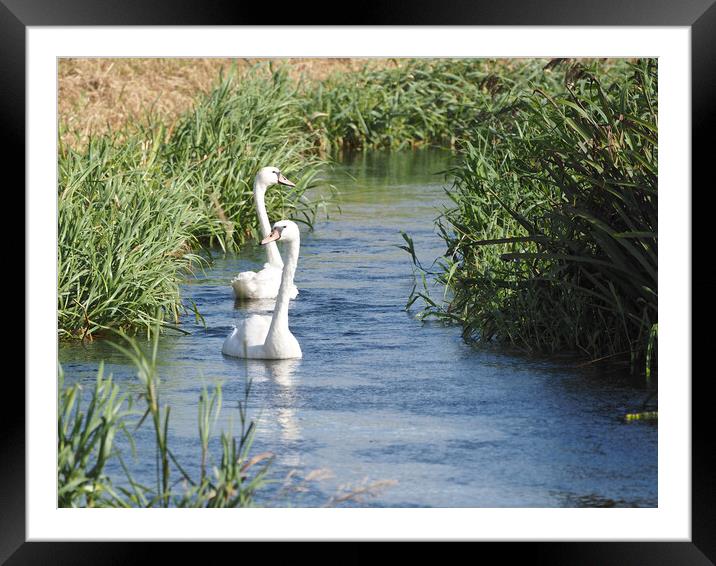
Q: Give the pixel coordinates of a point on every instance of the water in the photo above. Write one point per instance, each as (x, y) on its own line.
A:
(380, 395)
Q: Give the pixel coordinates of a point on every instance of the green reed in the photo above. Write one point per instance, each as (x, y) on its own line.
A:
(88, 425)
(133, 206)
(417, 102)
(85, 440)
(552, 239)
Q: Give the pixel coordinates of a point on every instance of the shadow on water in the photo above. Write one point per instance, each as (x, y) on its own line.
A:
(381, 395)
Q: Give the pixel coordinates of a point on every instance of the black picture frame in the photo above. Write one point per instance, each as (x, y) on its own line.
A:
(699, 15)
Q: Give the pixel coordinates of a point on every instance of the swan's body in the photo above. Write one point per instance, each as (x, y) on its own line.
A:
(264, 284)
(268, 337)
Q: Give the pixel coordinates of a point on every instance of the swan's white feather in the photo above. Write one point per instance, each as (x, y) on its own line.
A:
(250, 333)
(262, 284)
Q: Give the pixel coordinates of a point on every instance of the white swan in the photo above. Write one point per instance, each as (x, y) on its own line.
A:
(264, 284)
(268, 337)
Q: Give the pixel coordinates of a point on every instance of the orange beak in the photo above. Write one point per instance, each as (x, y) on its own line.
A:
(284, 181)
(273, 236)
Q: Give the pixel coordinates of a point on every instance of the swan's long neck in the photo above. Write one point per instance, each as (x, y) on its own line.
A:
(279, 321)
(274, 258)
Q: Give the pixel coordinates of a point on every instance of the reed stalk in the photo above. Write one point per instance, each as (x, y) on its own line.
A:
(552, 233)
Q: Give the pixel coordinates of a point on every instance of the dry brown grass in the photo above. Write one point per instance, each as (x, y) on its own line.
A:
(100, 95)
(97, 95)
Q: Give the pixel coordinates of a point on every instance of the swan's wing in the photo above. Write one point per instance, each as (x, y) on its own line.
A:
(270, 273)
(234, 345)
(261, 285)
(244, 276)
(244, 285)
(249, 335)
(256, 329)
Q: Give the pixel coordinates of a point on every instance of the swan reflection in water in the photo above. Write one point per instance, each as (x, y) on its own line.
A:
(280, 374)
(255, 306)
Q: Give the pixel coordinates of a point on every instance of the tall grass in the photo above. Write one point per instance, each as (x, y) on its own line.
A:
(134, 205)
(124, 233)
(88, 425)
(241, 126)
(552, 239)
(85, 440)
(416, 102)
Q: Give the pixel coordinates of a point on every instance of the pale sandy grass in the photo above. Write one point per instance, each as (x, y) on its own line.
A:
(99, 95)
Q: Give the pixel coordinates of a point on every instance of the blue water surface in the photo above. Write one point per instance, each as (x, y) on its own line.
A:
(382, 401)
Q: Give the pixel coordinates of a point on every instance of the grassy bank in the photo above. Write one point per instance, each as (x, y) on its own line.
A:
(350, 103)
(134, 204)
(552, 239)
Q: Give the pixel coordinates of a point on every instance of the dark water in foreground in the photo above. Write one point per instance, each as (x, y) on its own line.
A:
(380, 395)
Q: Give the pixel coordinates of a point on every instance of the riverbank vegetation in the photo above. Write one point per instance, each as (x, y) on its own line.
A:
(412, 104)
(551, 239)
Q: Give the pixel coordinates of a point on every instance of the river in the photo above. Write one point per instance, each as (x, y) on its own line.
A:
(380, 395)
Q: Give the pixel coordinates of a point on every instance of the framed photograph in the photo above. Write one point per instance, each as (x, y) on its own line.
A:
(388, 281)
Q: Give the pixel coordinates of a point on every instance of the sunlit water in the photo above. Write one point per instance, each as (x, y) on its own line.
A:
(380, 395)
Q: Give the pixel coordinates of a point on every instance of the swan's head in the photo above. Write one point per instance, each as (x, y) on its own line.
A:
(268, 176)
(283, 230)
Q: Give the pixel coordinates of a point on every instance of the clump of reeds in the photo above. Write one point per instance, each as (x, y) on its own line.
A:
(88, 425)
(416, 102)
(85, 441)
(124, 231)
(552, 240)
(132, 207)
